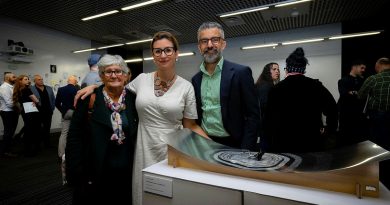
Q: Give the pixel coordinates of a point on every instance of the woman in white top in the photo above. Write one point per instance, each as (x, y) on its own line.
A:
(165, 103)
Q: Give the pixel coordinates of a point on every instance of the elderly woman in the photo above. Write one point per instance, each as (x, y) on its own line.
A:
(165, 103)
(100, 146)
(22, 95)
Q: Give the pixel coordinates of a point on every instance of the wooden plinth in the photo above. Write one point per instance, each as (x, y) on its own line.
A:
(362, 180)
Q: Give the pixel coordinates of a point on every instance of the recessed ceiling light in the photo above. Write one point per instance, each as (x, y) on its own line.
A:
(291, 3)
(133, 60)
(303, 41)
(140, 5)
(140, 41)
(84, 50)
(110, 46)
(354, 35)
(100, 15)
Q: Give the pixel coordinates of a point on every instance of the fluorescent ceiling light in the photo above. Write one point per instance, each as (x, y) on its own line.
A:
(139, 5)
(148, 58)
(263, 7)
(180, 54)
(354, 35)
(141, 41)
(133, 60)
(100, 15)
(291, 3)
(85, 50)
(187, 54)
(259, 46)
(243, 11)
(302, 41)
(351, 35)
(110, 46)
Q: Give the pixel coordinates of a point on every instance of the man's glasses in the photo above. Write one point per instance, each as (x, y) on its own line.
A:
(108, 73)
(214, 40)
(158, 51)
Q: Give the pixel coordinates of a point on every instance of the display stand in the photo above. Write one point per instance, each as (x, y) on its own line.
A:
(194, 187)
(361, 180)
(352, 169)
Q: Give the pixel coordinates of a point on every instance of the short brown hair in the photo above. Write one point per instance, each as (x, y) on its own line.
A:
(165, 34)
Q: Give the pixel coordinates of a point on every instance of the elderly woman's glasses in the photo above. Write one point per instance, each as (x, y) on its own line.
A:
(108, 73)
(168, 51)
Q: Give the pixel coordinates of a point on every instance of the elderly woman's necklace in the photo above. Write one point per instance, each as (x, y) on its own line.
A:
(161, 87)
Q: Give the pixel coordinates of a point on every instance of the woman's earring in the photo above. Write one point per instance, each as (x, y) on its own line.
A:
(177, 59)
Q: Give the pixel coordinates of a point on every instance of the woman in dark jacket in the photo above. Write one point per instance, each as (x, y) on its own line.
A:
(100, 147)
(293, 119)
(22, 95)
(269, 77)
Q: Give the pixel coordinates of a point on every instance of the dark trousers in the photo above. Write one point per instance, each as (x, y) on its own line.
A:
(353, 128)
(10, 122)
(228, 141)
(46, 125)
(32, 133)
(380, 128)
(380, 133)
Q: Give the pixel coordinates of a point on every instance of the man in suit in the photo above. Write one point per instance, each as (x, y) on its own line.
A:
(64, 103)
(225, 93)
(353, 125)
(46, 106)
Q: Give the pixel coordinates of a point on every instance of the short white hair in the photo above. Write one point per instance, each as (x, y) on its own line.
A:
(108, 60)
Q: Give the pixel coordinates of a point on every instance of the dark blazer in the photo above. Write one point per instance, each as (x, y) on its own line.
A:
(239, 106)
(89, 144)
(64, 98)
(49, 92)
(350, 104)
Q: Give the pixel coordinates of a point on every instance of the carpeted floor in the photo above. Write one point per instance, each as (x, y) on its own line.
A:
(33, 180)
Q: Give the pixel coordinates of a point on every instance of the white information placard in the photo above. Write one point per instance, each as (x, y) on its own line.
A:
(158, 185)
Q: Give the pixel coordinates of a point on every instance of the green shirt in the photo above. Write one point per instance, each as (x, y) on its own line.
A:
(211, 104)
(378, 88)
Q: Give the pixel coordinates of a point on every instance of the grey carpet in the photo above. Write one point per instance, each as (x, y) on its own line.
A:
(33, 180)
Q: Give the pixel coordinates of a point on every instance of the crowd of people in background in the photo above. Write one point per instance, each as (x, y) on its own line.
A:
(119, 125)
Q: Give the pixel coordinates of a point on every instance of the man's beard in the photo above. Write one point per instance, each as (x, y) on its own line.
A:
(213, 57)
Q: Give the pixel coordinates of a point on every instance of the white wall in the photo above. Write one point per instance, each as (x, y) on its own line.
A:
(324, 57)
(53, 47)
(50, 47)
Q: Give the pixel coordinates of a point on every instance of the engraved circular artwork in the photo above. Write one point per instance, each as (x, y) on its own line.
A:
(248, 160)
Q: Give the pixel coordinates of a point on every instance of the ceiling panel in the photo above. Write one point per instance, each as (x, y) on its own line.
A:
(182, 16)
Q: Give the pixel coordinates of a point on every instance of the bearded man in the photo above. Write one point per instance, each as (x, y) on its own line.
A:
(227, 105)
